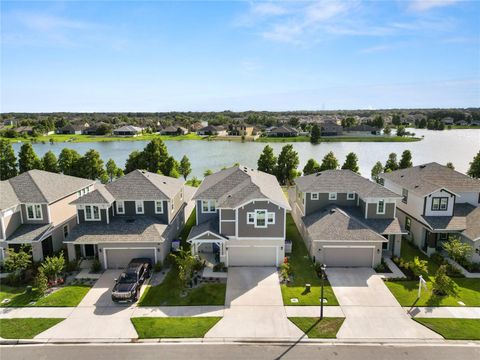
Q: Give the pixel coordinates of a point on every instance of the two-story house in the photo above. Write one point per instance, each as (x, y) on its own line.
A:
(437, 201)
(35, 210)
(240, 217)
(345, 219)
(137, 215)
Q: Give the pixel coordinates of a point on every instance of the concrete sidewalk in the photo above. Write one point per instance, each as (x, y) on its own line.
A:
(444, 312)
(313, 311)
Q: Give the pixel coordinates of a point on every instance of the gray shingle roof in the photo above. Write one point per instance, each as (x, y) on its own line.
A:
(427, 178)
(130, 128)
(38, 186)
(237, 185)
(98, 196)
(381, 226)
(342, 181)
(144, 185)
(8, 198)
(27, 233)
(211, 226)
(332, 223)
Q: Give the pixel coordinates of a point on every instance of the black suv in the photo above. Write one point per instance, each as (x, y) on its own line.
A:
(127, 287)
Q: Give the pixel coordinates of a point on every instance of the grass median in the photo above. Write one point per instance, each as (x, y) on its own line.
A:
(25, 328)
(173, 327)
(453, 329)
(315, 328)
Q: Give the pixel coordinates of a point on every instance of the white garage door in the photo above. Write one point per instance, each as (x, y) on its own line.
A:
(348, 256)
(252, 256)
(119, 258)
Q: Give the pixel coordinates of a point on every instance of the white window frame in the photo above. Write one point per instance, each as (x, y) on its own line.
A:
(256, 219)
(92, 218)
(332, 196)
(34, 211)
(350, 196)
(156, 207)
(172, 205)
(137, 203)
(270, 221)
(378, 206)
(314, 196)
(68, 231)
(251, 218)
(210, 205)
(123, 207)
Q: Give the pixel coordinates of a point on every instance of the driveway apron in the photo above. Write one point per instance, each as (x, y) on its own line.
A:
(370, 309)
(254, 307)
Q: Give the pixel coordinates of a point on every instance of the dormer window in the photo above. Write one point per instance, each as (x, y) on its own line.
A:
(381, 207)
(92, 213)
(139, 207)
(332, 196)
(208, 206)
(351, 196)
(314, 196)
(439, 204)
(34, 212)
(120, 207)
(158, 207)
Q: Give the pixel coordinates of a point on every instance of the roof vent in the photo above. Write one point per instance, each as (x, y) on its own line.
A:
(165, 182)
(401, 176)
(416, 186)
(332, 211)
(423, 166)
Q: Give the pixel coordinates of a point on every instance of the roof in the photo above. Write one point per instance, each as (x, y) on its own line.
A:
(238, 185)
(144, 185)
(38, 186)
(171, 128)
(425, 179)
(129, 128)
(75, 127)
(98, 196)
(362, 127)
(8, 198)
(210, 226)
(27, 233)
(381, 226)
(332, 223)
(211, 128)
(120, 229)
(343, 181)
(283, 129)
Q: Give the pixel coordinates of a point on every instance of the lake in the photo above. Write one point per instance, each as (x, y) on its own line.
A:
(456, 146)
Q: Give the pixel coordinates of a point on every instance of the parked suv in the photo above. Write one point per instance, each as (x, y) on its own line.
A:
(127, 286)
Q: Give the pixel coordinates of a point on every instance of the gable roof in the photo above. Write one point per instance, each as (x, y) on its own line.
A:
(284, 129)
(38, 186)
(98, 196)
(342, 181)
(8, 198)
(427, 178)
(237, 185)
(129, 128)
(144, 185)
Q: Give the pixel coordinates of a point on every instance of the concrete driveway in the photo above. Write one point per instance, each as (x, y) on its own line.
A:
(97, 316)
(254, 307)
(370, 308)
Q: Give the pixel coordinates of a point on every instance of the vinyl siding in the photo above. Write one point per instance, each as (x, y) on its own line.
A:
(11, 223)
(45, 219)
(314, 205)
(249, 230)
(203, 217)
(389, 211)
(62, 210)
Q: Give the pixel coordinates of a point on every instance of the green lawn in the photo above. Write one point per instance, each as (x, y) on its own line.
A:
(168, 293)
(25, 328)
(453, 329)
(326, 328)
(104, 138)
(186, 229)
(67, 296)
(173, 327)
(303, 273)
(406, 291)
(340, 139)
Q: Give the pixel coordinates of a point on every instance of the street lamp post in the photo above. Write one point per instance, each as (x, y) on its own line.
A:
(322, 268)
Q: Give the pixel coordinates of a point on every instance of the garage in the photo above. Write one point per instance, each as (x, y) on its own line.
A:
(351, 256)
(252, 256)
(119, 258)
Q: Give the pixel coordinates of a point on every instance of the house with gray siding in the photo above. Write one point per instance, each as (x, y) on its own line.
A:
(345, 219)
(35, 211)
(436, 202)
(137, 215)
(240, 218)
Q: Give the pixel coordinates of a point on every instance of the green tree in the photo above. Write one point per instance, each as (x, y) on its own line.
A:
(184, 262)
(135, 161)
(194, 181)
(387, 130)
(443, 284)
(50, 162)
(267, 162)
(41, 282)
(185, 168)
(311, 167)
(170, 167)
(329, 162)
(351, 163)
(155, 155)
(315, 134)
(406, 160)
(377, 169)
(91, 166)
(474, 170)
(28, 159)
(287, 165)
(396, 120)
(456, 249)
(450, 165)
(18, 261)
(8, 161)
(69, 161)
(418, 267)
(391, 164)
(113, 171)
(207, 172)
(401, 131)
(53, 265)
(348, 122)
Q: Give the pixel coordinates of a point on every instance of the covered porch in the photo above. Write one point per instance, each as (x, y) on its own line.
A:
(210, 250)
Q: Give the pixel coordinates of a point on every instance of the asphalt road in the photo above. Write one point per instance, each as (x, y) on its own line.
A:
(240, 351)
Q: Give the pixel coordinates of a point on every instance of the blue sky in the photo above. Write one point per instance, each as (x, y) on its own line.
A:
(201, 56)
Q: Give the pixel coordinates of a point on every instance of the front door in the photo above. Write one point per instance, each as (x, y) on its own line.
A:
(89, 251)
(47, 247)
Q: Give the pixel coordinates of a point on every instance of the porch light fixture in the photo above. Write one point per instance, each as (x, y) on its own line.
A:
(100, 250)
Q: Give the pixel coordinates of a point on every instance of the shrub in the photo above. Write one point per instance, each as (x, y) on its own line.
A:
(418, 267)
(72, 266)
(456, 249)
(52, 266)
(96, 266)
(443, 284)
(220, 267)
(41, 282)
(158, 266)
(382, 268)
(18, 262)
(285, 271)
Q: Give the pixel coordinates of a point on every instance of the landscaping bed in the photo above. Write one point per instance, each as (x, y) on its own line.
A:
(173, 327)
(326, 328)
(453, 329)
(25, 328)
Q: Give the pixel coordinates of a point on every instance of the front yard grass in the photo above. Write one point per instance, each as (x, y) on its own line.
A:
(453, 329)
(25, 328)
(406, 291)
(326, 328)
(303, 273)
(173, 327)
(70, 295)
(169, 293)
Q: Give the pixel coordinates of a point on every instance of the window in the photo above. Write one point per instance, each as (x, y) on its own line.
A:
(404, 196)
(386, 245)
(408, 224)
(443, 237)
(34, 212)
(314, 196)
(332, 196)
(251, 218)
(65, 231)
(270, 218)
(381, 207)
(158, 207)
(120, 207)
(208, 206)
(260, 218)
(139, 207)
(350, 196)
(92, 213)
(439, 204)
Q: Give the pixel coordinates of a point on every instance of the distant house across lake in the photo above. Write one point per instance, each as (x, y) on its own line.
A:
(128, 130)
(282, 131)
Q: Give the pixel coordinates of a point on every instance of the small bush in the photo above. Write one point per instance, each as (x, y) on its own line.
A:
(220, 267)
(443, 284)
(285, 271)
(41, 282)
(72, 266)
(96, 266)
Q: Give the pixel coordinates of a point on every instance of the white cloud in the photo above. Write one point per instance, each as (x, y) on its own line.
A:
(268, 9)
(425, 5)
